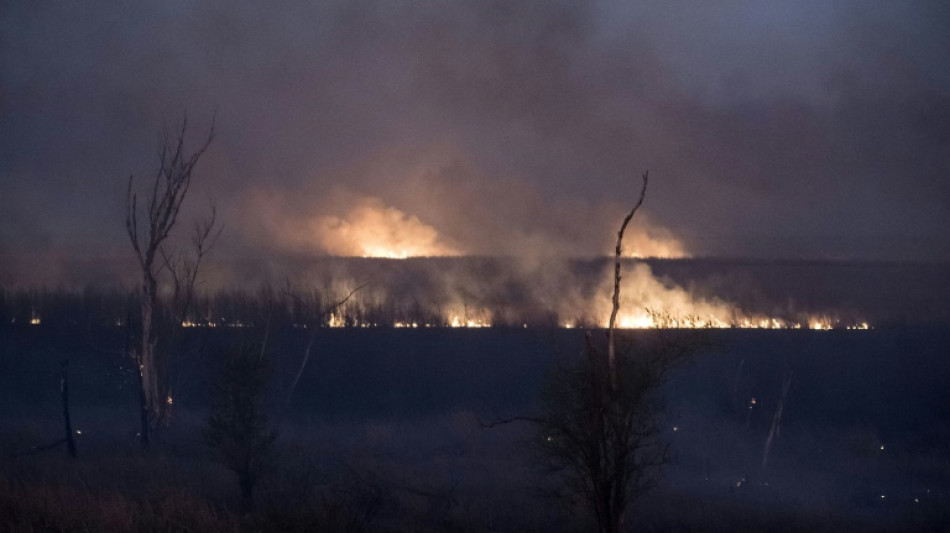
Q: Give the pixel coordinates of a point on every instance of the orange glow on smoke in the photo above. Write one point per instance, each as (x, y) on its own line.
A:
(373, 229)
(654, 243)
(369, 227)
(648, 302)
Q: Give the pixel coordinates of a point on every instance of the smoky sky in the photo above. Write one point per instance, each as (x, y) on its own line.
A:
(770, 129)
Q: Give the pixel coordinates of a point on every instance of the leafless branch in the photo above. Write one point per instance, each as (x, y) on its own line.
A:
(313, 336)
(168, 190)
(503, 421)
(37, 449)
(184, 269)
(332, 307)
(776, 427)
(611, 353)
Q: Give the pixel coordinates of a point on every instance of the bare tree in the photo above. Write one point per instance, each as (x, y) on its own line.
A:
(611, 353)
(598, 427)
(605, 442)
(148, 230)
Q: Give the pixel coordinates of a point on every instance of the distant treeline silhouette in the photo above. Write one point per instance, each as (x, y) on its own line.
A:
(509, 292)
(267, 306)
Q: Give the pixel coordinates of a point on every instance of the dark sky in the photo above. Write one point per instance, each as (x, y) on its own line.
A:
(770, 129)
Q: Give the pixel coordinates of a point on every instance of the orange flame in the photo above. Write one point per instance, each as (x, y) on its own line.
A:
(373, 229)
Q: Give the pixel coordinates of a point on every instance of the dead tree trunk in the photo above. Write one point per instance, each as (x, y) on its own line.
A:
(599, 426)
(64, 394)
(168, 191)
(776, 427)
(611, 353)
(148, 371)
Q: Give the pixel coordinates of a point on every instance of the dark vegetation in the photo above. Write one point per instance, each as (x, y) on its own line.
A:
(407, 291)
(383, 434)
(598, 422)
(238, 431)
(413, 290)
(599, 430)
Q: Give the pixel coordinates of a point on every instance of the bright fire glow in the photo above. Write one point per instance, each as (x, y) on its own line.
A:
(457, 322)
(653, 242)
(648, 302)
(635, 322)
(655, 320)
(516, 294)
(373, 229)
(336, 320)
(641, 320)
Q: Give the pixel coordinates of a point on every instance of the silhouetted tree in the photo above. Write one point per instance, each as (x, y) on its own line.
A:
(598, 422)
(148, 230)
(238, 431)
(599, 428)
(615, 300)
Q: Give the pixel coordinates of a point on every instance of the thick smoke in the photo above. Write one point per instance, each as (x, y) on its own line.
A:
(506, 128)
(431, 218)
(354, 227)
(373, 229)
(555, 292)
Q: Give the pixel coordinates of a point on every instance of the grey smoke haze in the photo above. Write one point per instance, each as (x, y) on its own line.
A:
(771, 129)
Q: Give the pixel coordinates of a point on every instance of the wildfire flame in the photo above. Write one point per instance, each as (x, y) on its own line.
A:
(479, 320)
(647, 303)
(373, 229)
(691, 314)
(624, 321)
(526, 294)
(655, 303)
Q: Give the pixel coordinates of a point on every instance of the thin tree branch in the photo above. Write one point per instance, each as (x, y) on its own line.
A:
(38, 449)
(503, 421)
(611, 354)
(313, 336)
